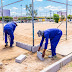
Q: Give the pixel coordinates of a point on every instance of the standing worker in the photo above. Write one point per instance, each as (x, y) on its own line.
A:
(54, 34)
(9, 30)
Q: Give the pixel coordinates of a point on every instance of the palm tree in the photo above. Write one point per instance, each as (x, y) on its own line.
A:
(29, 10)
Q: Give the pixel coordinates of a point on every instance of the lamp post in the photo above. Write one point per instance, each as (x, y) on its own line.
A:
(21, 13)
(2, 17)
(33, 20)
(66, 16)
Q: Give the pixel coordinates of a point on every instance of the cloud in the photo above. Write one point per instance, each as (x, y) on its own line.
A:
(40, 9)
(23, 13)
(53, 8)
(69, 0)
(3, 1)
(15, 8)
(39, 0)
(24, 8)
(13, 12)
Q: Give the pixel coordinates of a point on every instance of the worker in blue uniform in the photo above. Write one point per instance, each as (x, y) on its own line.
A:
(54, 35)
(9, 30)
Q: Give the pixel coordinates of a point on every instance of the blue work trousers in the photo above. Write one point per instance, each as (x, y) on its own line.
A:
(54, 41)
(9, 32)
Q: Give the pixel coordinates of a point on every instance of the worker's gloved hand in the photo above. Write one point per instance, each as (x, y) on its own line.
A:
(39, 49)
(43, 54)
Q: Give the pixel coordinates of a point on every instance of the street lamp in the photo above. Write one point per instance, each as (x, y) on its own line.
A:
(21, 13)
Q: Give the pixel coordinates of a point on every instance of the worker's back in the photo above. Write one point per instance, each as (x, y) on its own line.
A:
(10, 26)
(50, 33)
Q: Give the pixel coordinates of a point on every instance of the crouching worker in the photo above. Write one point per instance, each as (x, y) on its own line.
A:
(54, 35)
(9, 30)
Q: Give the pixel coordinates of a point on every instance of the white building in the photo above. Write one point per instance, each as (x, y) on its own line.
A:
(6, 12)
(61, 13)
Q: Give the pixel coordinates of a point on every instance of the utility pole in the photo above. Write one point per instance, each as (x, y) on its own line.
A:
(70, 14)
(21, 13)
(33, 20)
(2, 17)
(50, 15)
(66, 16)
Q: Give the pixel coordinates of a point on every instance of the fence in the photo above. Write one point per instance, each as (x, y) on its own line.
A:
(28, 24)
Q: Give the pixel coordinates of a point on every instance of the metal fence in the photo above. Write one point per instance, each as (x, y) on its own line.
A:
(26, 31)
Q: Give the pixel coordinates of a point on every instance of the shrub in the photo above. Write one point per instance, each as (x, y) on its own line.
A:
(62, 17)
(56, 17)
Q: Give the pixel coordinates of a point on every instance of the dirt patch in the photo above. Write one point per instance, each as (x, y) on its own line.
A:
(23, 33)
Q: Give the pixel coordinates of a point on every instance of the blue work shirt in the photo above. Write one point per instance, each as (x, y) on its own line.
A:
(11, 26)
(49, 33)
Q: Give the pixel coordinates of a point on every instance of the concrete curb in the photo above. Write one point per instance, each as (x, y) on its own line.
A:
(35, 48)
(29, 47)
(24, 46)
(57, 65)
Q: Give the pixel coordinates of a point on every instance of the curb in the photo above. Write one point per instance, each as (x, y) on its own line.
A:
(57, 65)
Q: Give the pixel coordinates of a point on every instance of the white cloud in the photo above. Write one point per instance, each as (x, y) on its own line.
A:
(23, 13)
(69, 0)
(40, 8)
(15, 8)
(53, 8)
(39, 0)
(24, 8)
(3, 1)
(63, 9)
(13, 12)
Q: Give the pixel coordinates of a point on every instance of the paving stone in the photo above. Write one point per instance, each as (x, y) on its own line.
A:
(35, 48)
(57, 65)
(39, 55)
(66, 59)
(20, 58)
(24, 46)
(53, 68)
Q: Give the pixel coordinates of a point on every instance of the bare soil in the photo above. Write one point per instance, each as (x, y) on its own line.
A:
(23, 33)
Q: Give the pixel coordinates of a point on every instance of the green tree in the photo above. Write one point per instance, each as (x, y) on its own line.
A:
(29, 10)
(69, 16)
(0, 18)
(62, 17)
(6, 18)
(56, 17)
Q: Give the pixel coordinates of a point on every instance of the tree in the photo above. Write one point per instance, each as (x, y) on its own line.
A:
(69, 16)
(6, 18)
(62, 17)
(56, 17)
(29, 11)
(0, 18)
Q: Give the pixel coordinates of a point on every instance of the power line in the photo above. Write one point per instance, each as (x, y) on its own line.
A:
(59, 2)
(12, 3)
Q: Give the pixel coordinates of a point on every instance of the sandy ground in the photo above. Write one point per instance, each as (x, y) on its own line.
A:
(23, 33)
(67, 68)
(30, 64)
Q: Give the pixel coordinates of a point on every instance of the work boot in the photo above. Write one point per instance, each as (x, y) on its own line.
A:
(50, 56)
(6, 44)
(11, 46)
(54, 57)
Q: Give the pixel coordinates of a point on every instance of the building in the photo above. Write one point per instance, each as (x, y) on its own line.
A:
(61, 13)
(6, 12)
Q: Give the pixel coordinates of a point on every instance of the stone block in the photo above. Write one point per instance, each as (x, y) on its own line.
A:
(20, 58)
(24, 46)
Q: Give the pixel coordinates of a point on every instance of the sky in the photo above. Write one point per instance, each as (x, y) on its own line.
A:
(43, 7)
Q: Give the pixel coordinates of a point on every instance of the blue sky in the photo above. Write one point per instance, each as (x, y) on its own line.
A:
(43, 7)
